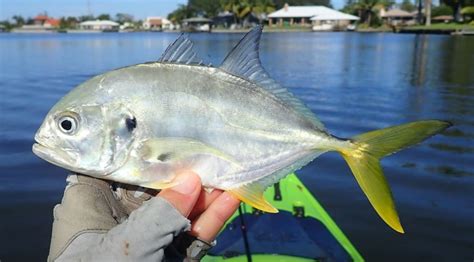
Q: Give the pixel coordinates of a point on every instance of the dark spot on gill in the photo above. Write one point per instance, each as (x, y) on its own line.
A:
(131, 123)
(164, 157)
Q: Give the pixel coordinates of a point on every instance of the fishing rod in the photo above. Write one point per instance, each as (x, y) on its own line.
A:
(244, 234)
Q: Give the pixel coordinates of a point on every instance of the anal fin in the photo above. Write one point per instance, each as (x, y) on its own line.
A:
(252, 194)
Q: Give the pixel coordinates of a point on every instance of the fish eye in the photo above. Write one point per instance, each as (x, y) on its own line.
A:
(131, 123)
(67, 124)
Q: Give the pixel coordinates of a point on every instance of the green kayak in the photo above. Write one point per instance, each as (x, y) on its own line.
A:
(301, 231)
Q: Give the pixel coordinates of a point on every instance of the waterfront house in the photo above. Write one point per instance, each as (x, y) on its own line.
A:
(197, 24)
(41, 24)
(397, 16)
(320, 17)
(157, 23)
(99, 25)
(442, 19)
(46, 22)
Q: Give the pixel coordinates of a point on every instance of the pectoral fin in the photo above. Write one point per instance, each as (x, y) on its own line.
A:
(252, 194)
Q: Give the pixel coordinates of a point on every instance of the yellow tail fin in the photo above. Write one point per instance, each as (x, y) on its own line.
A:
(366, 151)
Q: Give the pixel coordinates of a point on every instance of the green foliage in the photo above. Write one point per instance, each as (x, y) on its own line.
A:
(182, 12)
(441, 10)
(367, 10)
(19, 20)
(7, 25)
(407, 5)
(104, 17)
(123, 18)
(208, 8)
(468, 10)
(68, 23)
(84, 18)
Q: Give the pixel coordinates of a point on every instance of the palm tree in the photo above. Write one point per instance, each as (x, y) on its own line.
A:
(428, 12)
(240, 9)
(263, 7)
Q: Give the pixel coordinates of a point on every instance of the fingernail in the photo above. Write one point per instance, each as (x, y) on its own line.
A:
(186, 184)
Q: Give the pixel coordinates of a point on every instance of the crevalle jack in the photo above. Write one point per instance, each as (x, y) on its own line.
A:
(233, 125)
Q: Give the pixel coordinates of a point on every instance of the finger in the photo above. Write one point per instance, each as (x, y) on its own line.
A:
(211, 221)
(184, 195)
(205, 199)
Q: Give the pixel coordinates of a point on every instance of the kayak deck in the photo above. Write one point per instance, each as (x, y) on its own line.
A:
(301, 231)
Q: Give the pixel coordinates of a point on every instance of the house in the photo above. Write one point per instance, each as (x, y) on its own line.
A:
(397, 17)
(442, 19)
(197, 24)
(100, 25)
(45, 21)
(157, 23)
(310, 15)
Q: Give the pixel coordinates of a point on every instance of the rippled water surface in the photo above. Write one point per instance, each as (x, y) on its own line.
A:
(353, 82)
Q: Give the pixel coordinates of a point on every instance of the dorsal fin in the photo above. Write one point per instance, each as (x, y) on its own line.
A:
(244, 61)
(181, 51)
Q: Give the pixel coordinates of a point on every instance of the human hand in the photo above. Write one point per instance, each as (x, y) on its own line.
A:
(208, 212)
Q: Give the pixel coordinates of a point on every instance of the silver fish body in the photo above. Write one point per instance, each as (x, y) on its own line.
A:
(258, 133)
(234, 126)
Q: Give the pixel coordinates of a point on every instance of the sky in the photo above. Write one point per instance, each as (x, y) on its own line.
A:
(56, 8)
(140, 9)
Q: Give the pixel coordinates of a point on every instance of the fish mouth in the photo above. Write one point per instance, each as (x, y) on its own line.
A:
(54, 156)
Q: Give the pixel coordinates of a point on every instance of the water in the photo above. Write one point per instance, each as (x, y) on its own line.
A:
(353, 82)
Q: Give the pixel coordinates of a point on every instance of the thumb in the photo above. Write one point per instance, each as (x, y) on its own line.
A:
(184, 195)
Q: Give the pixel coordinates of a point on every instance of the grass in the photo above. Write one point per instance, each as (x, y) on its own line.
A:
(441, 26)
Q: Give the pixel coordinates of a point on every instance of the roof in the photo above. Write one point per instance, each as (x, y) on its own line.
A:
(334, 15)
(100, 22)
(53, 22)
(443, 17)
(397, 13)
(154, 21)
(315, 12)
(41, 17)
(197, 20)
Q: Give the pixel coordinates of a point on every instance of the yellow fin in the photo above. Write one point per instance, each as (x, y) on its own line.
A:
(364, 154)
(252, 194)
(159, 185)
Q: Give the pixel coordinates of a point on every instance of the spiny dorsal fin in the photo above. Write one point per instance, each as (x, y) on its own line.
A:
(244, 61)
(181, 51)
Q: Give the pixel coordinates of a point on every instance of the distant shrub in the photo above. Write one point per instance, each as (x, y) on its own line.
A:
(441, 10)
(468, 13)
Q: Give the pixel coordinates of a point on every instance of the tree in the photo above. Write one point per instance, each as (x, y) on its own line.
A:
(264, 6)
(240, 9)
(208, 8)
(441, 10)
(84, 18)
(408, 6)
(457, 5)
(19, 20)
(427, 12)
(69, 22)
(104, 17)
(123, 18)
(182, 12)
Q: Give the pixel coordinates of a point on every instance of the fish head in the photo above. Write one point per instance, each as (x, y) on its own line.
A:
(91, 139)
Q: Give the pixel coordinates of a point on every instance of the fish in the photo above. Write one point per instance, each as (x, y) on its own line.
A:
(233, 125)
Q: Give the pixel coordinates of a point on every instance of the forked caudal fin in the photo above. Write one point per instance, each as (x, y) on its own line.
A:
(366, 151)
